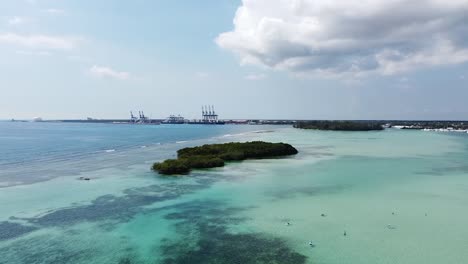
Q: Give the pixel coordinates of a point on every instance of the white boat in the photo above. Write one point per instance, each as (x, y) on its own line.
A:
(174, 120)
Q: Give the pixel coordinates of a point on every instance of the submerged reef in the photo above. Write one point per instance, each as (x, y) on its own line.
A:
(10, 230)
(204, 236)
(215, 155)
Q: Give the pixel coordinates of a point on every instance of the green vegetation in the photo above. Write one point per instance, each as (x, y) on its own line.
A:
(171, 166)
(340, 125)
(215, 155)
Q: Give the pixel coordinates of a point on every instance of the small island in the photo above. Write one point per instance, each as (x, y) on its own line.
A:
(340, 125)
(215, 155)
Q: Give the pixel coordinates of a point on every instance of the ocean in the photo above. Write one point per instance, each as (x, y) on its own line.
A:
(390, 196)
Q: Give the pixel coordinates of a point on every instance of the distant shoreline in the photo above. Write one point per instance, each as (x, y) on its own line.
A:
(341, 125)
(427, 125)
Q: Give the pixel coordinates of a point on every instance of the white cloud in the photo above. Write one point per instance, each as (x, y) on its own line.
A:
(34, 53)
(255, 77)
(107, 72)
(357, 37)
(39, 41)
(16, 20)
(54, 11)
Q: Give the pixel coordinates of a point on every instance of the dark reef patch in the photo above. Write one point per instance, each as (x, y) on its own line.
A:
(203, 226)
(456, 165)
(292, 192)
(451, 169)
(9, 230)
(127, 260)
(214, 212)
(107, 210)
(218, 246)
(54, 248)
(44, 249)
(116, 208)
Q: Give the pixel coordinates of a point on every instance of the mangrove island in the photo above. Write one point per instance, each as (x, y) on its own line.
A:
(215, 155)
(340, 125)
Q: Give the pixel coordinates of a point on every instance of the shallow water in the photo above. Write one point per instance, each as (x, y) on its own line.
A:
(400, 196)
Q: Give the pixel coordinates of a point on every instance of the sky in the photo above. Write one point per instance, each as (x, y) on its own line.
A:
(251, 59)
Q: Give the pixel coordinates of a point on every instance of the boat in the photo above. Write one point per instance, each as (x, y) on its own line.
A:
(172, 119)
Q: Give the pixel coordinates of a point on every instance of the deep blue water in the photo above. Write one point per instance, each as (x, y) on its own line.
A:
(48, 147)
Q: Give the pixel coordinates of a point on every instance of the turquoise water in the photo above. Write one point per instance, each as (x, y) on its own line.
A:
(400, 196)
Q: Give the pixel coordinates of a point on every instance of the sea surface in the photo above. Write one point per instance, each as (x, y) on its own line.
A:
(390, 196)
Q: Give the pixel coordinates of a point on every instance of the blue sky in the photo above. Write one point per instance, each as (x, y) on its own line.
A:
(74, 59)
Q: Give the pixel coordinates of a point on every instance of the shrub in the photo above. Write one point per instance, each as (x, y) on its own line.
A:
(202, 162)
(171, 167)
(215, 155)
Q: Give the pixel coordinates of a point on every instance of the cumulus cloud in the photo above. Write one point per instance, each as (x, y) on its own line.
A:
(355, 37)
(39, 41)
(107, 72)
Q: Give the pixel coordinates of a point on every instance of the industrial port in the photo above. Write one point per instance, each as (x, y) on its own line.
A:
(209, 116)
